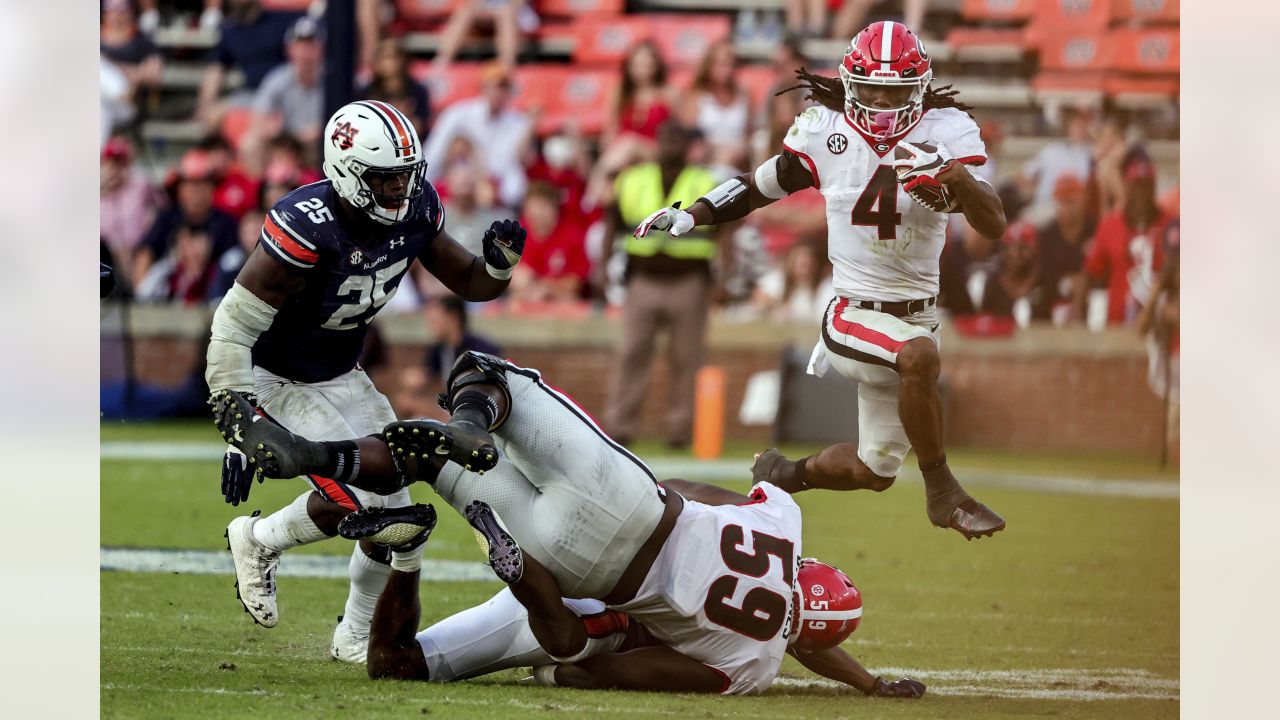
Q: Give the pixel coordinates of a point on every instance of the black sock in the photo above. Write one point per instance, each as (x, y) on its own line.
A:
(799, 473)
(475, 407)
(342, 462)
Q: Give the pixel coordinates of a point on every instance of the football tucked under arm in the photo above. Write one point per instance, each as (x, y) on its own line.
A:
(918, 166)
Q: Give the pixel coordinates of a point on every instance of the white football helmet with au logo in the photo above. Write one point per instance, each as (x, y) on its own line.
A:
(374, 160)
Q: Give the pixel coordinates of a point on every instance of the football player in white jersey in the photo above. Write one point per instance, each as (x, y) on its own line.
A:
(715, 578)
(889, 155)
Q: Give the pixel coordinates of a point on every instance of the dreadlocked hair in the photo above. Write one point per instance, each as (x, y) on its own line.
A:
(829, 92)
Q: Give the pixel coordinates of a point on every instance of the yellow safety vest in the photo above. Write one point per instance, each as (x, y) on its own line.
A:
(639, 193)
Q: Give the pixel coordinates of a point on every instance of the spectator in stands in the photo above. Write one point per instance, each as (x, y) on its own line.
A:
(236, 192)
(1014, 287)
(807, 18)
(127, 204)
(509, 17)
(393, 84)
(287, 147)
(290, 99)
(229, 265)
(179, 12)
(554, 266)
(719, 107)
(642, 103)
(252, 41)
(779, 111)
(798, 290)
(1063, 241)
(968, 259)
(851, 16)
(186, 273)
(130, 50)
(669, 285)
(500, 133)
(115, 101)
(472, 206)
(1111, 151)
(446, 318)
(1159, 323)
(192, 185)
(1071, 155)
(281, 177)
(1127, 251)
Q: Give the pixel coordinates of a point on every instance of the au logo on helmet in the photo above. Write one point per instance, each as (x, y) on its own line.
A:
(344, 135)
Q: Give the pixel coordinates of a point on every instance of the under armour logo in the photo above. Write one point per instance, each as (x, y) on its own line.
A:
(395, 243)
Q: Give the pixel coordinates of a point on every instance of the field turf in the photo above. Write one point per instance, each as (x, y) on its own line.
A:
(1072, 612)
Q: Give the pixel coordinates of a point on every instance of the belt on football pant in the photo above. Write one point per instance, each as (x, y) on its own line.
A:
(900, 308)
(633, 577)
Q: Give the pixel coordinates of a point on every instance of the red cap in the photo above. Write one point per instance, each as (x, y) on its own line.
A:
(195, 165)
(1140, 168)
(117, 148)
(1068, 187)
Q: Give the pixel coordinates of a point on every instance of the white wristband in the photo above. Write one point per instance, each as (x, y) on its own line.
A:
(410, 561)
(497, 274)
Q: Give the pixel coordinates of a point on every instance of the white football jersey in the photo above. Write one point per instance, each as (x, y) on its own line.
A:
(882, 243)
(721, 589)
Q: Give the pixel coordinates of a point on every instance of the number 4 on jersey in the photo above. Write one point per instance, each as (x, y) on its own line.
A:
(881, 193)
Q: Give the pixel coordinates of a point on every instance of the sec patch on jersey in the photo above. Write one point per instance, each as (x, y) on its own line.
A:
(918, 165)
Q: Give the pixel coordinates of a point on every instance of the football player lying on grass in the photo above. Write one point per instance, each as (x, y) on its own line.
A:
(568, 513)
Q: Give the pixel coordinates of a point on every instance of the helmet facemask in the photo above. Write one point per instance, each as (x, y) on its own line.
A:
(407, 185)
(884, 123)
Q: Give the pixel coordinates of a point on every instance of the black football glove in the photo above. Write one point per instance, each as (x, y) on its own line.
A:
(237, 475)
(905, 688)
(503, 245)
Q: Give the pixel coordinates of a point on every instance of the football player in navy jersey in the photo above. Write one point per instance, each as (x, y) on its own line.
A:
(330, 255)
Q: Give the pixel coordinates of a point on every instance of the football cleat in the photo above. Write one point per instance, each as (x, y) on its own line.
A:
(272, 450)
(255, 571)
(974, 520)
(349, 644)
(505, 556)
(401, 528)
(465, 444)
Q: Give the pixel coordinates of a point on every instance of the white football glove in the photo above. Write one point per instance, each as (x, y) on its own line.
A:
(923, 163)
(672, 219)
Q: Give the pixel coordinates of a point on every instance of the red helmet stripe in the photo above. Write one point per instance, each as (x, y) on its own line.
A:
(405, 145)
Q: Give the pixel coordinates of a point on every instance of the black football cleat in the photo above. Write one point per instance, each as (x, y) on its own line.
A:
(505, 556)
(401, 528)
(272, 450)
(465, 444)
(972, 519)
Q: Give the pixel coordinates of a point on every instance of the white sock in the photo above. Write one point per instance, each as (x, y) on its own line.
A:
(410, 561)
(288, 527)
(368, 578)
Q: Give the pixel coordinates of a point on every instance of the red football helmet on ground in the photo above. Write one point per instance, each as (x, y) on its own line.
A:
(885, 55)
(829, 607)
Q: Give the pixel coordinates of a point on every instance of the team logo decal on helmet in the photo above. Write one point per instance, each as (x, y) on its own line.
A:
(830, 607)
(886, 60)
(373, 160)
(343, 135)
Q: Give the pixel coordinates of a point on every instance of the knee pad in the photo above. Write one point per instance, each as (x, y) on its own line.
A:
(476, 368)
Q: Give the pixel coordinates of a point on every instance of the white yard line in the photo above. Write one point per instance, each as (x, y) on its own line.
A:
(728, 471)
(1087, 685)
(205, 562)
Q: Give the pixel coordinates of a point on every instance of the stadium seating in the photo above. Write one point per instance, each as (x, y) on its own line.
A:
(565, 94)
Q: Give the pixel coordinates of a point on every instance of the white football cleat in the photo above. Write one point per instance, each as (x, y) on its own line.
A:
(255, 571)
(348, 645)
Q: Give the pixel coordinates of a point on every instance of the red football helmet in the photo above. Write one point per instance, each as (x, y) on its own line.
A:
(885, 56)
(829, 606)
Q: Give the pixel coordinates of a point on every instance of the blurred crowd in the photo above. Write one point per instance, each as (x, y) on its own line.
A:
(1086, 242)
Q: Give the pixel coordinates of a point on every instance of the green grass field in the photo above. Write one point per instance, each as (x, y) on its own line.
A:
(1071, 612)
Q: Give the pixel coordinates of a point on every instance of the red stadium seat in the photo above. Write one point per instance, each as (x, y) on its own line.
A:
(425, 10)
(1151, 11)
(461, 81)
(683, 39)
(1144, 51)
(1082, 51)
(997, 10)
(1054, 18)
(286, 5)
(235, 122)
(566, 94)
(580, 8)
(604, 41)
(971, 37)
(758, 79)
(1132, 90)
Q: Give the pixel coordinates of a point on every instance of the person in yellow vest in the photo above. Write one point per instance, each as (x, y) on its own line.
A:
(669, 283)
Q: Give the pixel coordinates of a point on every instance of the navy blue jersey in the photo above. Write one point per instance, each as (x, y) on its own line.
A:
(318, 333)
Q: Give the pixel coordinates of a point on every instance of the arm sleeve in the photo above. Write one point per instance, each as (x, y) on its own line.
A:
(240, 319)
